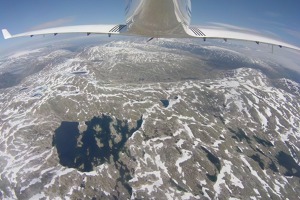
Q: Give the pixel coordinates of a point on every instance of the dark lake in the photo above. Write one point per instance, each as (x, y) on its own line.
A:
(98, 144)
(165, 102)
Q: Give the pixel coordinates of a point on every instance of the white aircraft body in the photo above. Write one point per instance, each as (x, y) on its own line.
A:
(158, 19)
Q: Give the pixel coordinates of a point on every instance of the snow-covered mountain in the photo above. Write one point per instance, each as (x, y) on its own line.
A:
(160, 120)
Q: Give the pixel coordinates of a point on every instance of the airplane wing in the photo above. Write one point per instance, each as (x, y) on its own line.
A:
(120, 29)
(216, 33)
(88, 29)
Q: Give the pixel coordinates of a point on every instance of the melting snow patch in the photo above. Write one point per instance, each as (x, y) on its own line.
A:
(254, 173)
(220, 181)
(174, 101)
(263, 119)
(268, 112)
(38, 196)
(32, 182)
(217, 143)
(187, 196)
(236, 182)
(180, 143)
(186, 155)
(154, 185)
(188, 131)
(285, 136)
(256, 191)
(161, 165)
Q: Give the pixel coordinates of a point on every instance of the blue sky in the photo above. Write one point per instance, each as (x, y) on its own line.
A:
(279, 18)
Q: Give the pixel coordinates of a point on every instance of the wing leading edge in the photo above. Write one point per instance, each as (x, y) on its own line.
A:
(211, 33)
(120, 29)
(88, 29)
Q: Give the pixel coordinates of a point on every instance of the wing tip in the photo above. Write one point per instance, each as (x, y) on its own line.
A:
(6, 34)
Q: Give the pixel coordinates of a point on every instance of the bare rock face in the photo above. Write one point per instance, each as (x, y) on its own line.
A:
(166, 120)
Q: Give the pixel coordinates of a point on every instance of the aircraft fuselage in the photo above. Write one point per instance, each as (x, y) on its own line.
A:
(158, 18)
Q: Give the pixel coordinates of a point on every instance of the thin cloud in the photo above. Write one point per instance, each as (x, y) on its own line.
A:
(232, 27)
(271, 34)
(294, 33)
(272, 14)
(268, 22)
(51, 24)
